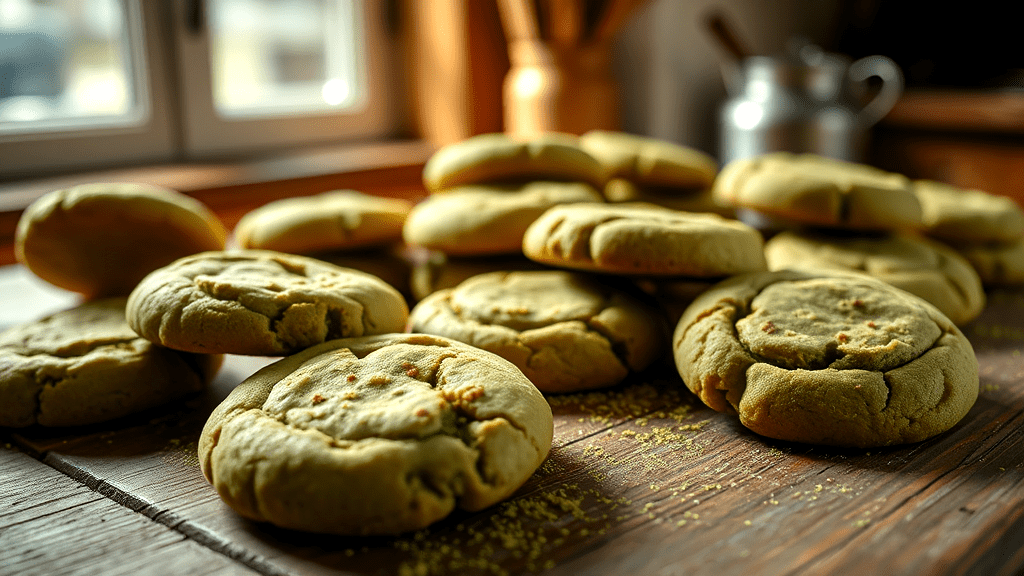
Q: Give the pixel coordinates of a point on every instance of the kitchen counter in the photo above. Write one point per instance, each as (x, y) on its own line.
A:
(642, 478)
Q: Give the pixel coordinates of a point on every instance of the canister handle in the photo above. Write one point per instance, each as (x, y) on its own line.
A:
(892, 86)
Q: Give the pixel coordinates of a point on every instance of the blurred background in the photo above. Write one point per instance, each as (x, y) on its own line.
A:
(122, 82)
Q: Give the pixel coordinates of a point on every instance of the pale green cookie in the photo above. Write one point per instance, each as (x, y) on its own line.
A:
(375, 435)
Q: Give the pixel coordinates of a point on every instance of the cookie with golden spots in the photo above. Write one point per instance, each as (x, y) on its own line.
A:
(261, 303)
(833, 359)
(916, 264)
(375, 435)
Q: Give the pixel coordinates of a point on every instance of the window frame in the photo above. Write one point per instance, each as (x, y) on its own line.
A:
(182, 125)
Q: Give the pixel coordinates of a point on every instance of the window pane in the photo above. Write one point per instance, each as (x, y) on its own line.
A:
(69, 64)
(275, 57)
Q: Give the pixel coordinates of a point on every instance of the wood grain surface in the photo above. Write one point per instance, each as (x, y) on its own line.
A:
(642, 478)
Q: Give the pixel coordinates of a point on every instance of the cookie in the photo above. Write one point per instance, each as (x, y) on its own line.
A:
(375, 435)
(686, 200)
(498, 158)
(85, 365)
(650, 161)
(390, 264)
(963, 216)
(841, 360)
(643, 239)
(338, 220)
(920, 266)
(564, 330)
(437, 271)
(260, 303)
(102, 239)
(811, 190)
(997, 264)
(488, 219)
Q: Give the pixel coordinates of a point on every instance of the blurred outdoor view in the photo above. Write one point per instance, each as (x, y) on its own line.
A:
(74, 63)
(65, 62)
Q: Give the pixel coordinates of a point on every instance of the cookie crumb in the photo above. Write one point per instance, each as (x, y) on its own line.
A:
(422, 412)
(769, 327)
(318, 399)
(380, 379)
(351, 377)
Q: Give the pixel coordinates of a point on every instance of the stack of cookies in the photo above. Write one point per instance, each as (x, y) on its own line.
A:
(483, 193)
(831, 215)
(86, 365)
(577, 321)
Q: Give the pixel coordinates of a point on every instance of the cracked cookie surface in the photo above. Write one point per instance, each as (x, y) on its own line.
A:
(476, 219)
(262, 303)
(923, 267)
(643, 239)
(564, 330)
(341, 219)
(814, 190)
(375, 435)
(842, 359)
(101, 239)
(85, 365)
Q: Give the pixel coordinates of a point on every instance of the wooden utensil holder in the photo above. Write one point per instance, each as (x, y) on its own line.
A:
(557, 88)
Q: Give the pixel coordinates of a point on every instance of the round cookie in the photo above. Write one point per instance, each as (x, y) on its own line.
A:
(997, 264)
(438, 271)
(812, 190)
(375, 435)
(564, 330)
(102, 239)
(643, 239)
(920, 266)
(496, 157)
(968, 216)
(342, 219)
(842, 360)
(488, 219)
(260, 303)
(85, 365)
(650, 161)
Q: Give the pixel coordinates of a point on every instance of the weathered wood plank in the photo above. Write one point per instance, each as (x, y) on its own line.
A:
(642, 478)
(50, 524)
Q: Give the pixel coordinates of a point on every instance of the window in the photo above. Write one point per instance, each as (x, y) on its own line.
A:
(114, 82)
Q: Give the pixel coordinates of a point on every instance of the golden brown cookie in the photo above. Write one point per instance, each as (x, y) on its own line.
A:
(643, 239)
(812, 190)
(488, 219)
(843, 360)
(85, 365)
(102, 239)
(342, 219)
(498, 158)
(390, 264)
(566, 331)
(375, 435)
(650, 161)
(261, 303)
(960, 216)
(920, 266)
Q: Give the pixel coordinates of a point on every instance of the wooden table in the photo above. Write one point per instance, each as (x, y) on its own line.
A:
(641, 479)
